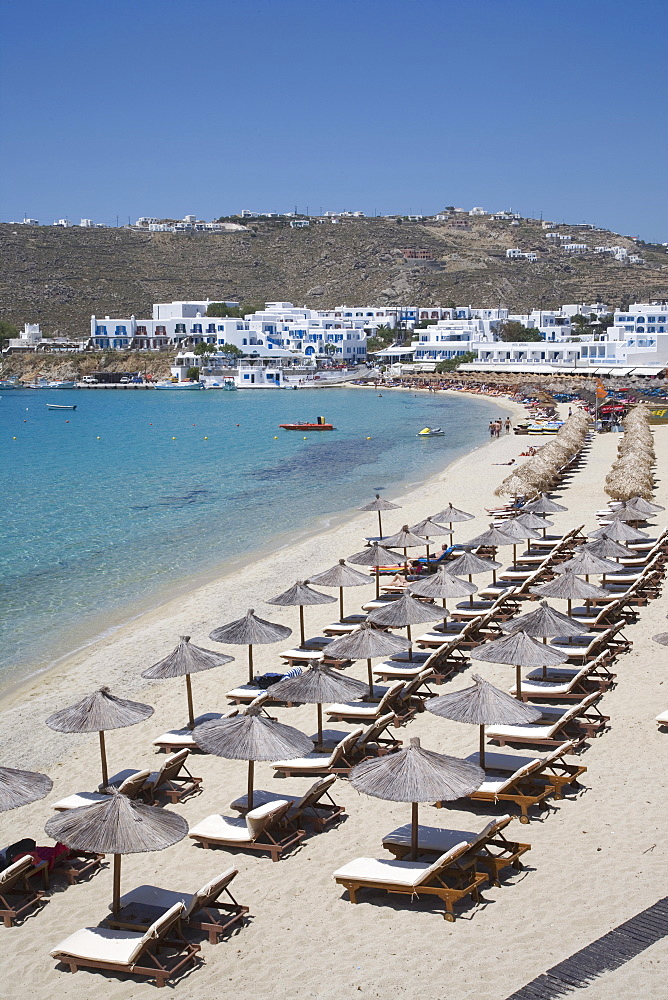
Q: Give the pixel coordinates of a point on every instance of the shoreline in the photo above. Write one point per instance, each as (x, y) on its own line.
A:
(167, 604)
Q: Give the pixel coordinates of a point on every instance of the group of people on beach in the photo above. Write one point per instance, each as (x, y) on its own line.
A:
(496, 427)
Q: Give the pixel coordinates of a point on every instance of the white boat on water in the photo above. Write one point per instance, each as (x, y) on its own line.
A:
(8, 384)
(180, 386)
(62, 384)
(431, 432)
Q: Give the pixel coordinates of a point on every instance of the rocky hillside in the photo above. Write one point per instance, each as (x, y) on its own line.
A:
(58, 277)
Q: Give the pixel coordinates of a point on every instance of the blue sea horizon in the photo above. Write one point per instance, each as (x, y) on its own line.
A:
(111, 508)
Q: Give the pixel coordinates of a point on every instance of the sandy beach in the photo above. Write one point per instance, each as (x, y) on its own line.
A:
(596, 859)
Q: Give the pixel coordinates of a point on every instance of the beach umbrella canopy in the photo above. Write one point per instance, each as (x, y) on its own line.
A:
(515, 529)
(543, 505)
(482, 705)
(493, 538)
(442, 584)
(532, 521)
(340, 576)
(518, 650)
(404, 539)
(185, 660)
(251, 737)
(542, 623)
(379, 505)
(317, 685)
(365, 643)
(375, 555)
(644, 506)
(404, 612)
(18, 788)
(468, 564)
(117, 825)
(300, 595)
(250, 631)
(626, 513)
(619, 531)
(585, 562)
(567, 586)
(98, 712)
(605, 547)
(429, 529)
(416, 775)
(450, 515)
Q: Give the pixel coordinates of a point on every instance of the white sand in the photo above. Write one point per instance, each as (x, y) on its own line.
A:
(596, 860)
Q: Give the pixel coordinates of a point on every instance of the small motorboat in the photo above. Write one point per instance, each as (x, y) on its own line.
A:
(229, 385)
(180, 386)
(431, 432)
(62, 384)
(56, 406)
(319, 425)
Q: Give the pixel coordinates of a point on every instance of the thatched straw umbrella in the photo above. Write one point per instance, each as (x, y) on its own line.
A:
(117, 825)
(543, 505)
(375, 555)
(404, 539)
(605, 548)
(491, 539)
(482, 705)
(317, 685)
(415, 775)
(365, 643)
(429, 529)
(96, 713)
(567, 586)
(301, 595)
(250, 631)
(379, 504)
(441, 584)
(18, 788)
(514, 485)
(469, 564)
(340, 576)
(543, 623)
(251, 737)
(450, 515)
(619, 531)
(586, 562)
(185, 660)
(532, 521)
(643, 506)
(404, 612)
(515, 530)
(519, 650)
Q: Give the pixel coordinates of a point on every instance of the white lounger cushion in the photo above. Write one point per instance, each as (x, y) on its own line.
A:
(501, 761)
(378, 870)
(262, 798)
(430, 838)
(507, 732)
(152, 895)
(102, 944)
(662, 719)
(559, 671)
(312, 762)
(79, 799)
(353, 709)
(240, 829)
(539, 687)
(184, 737)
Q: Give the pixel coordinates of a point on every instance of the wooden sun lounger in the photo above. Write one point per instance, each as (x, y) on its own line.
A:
(265, 828)
(308, 808)
(178, 739)
(376, 741)
(130, 784)
(173, 779)
(599, 668)
(553, 768)
(521, 787)
(580, 722)
(584, 681)
(203, 910)
(662, 720)
(489, 848)
(339, 761)
(449, 877)
(17, 896)
(132, 952)
(367, 711)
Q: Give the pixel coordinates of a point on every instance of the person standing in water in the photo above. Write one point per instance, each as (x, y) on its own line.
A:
(508, 425)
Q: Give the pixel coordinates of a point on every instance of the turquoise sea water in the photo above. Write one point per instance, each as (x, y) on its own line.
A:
(111, 507)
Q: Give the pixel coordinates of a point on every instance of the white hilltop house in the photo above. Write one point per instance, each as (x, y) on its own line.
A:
(30, 339)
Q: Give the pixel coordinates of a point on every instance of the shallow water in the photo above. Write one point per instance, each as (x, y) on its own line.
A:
(109, 507)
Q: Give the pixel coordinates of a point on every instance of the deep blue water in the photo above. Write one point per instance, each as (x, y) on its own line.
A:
(108, 507)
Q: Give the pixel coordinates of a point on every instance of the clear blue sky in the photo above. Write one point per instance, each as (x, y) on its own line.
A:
(163, 107)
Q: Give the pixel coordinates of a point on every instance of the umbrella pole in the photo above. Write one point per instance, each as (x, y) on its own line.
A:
(544, 667)
(103, 758)
(414, 831)
(481, 753)
(189, 695)
(518, 683)
(514, 557)
(445, 617)
(301, 624)
(370, 678)
(116, 901)
(408, 636)
(319, 724)
(340, 603)
(471, 595)
(377, 581)
(250, 664)
(380, 526)
(251, 774)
